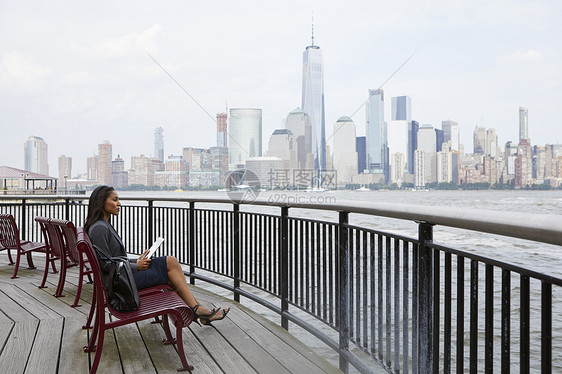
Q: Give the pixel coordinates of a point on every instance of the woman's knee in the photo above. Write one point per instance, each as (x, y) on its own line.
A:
(173, 263)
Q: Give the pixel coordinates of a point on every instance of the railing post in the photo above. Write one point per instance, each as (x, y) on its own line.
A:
(343, 289)
(236, 249)
(191, 242)
(425, 299)
(23, 225)
(150, 223)
(284, 265)
(67, 209)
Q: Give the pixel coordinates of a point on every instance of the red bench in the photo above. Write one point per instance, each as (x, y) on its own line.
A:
(153, 303)
(10, 239)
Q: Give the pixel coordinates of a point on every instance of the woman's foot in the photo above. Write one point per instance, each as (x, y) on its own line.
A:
(215, 317)
(201, 312)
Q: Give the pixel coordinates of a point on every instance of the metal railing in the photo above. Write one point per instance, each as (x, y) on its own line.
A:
(399, 301)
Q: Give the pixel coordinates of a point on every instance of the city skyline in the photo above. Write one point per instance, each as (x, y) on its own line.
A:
(76, 89)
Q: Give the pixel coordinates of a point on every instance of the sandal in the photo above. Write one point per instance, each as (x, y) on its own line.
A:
(203, 316)
(207, 320)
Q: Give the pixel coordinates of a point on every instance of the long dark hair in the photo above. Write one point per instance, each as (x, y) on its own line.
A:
(95, 205)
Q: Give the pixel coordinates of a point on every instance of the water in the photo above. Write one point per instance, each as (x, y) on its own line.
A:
(540, 257)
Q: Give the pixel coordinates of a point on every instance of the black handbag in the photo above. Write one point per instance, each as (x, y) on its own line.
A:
(120, 283)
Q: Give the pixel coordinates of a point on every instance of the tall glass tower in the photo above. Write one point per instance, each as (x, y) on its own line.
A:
(159, 143)
(523, 124)
(313, 101)
(377, 142)
(245, 136)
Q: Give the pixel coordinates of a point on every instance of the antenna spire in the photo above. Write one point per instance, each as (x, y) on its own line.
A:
(313, 29)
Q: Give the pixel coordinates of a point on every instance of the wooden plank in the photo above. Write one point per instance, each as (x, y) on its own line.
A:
(256, 353)
(18, 346)
(300, 350)
(53, 303)
(73, 359)
(29, 303)
(46, 347)
(166, 358)
(110, 362)
(5, 331)
(224, 355)
(134, 355)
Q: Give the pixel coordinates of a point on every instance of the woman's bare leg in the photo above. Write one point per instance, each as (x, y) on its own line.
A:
(176, 279)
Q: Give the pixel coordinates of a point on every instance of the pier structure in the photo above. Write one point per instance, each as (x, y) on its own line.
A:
(380, 300)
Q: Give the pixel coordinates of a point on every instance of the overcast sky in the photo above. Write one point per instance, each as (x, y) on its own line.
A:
(77, 73)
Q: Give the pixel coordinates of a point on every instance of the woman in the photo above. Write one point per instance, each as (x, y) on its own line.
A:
(147, 272)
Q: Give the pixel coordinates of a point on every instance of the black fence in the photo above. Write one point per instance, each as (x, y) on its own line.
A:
(408, 304)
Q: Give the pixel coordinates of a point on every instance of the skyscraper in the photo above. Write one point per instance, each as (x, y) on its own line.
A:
(244, 136)
(36, 155)
(413, 127)
(361, 147)
(401, 108)
(104, 163)
(221, 130)
(299, 123)
(451, 132)
(345, 154)
(159, 143)
(480, 140)
(427, 144)
(313, 101)
(523, 124)
(376, 133)
(65, 168)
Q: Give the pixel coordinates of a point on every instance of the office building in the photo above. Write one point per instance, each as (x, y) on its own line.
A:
(222, 130)
(245, 136)
(444, 167)
(401, 108)
(361, 148)
(376, 133)
(65, 169)
(175, 173)
(524, 164)
(345, 154)
(92, 168)
(427, 144)
(419, 168)
(479, 140)
(119, 176)
(36, 155)
(219, 159)
(313, 102)
(413, 127)
(397, 165)
(299, 123)
(451, 133)
(282, 145)
(491, 143)
(523, 123)
(159, 143)
(104, 163)
(439, 139)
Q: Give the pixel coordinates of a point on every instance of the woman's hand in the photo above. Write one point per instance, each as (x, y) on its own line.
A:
(142, 262)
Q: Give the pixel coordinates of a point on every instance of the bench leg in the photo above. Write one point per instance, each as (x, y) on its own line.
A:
(79, 291)
(166, 326)
(17, 266)
(62, 278)
(181, 353)
(30, 261)
(97, 357)
(47, 261)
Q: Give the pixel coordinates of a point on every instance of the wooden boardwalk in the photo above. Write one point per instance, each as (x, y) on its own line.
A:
(42, 334)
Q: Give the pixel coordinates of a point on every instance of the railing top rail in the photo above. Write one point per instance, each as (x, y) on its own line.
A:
(545, 228)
